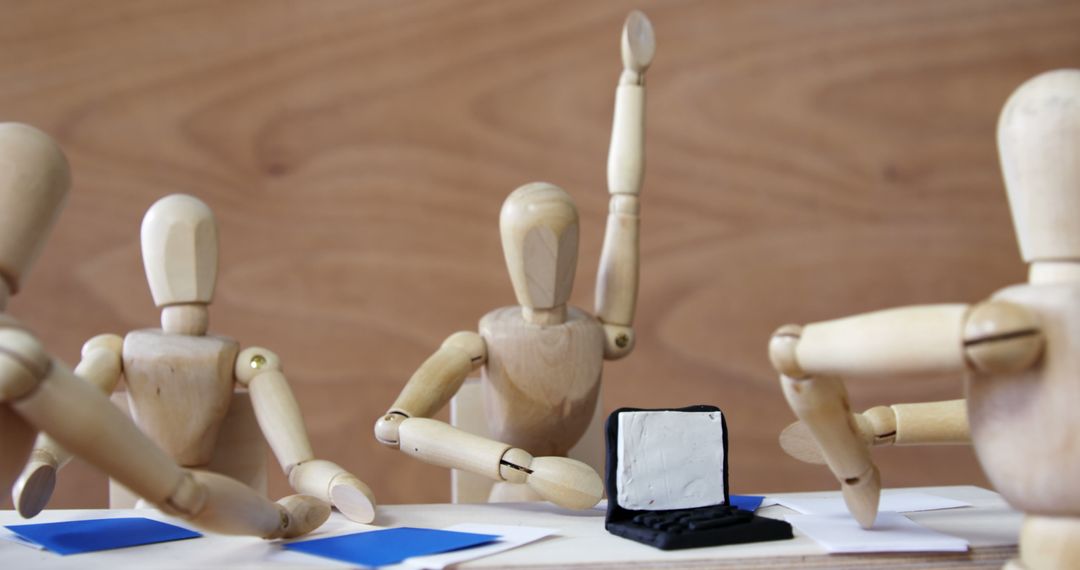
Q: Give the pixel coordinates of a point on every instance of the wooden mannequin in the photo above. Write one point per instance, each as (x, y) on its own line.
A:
(541, 361)
(38, 390)
(1020, 350)
(181, 380)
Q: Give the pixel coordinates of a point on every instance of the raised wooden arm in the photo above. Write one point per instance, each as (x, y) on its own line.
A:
(281, 422)
(617, 276)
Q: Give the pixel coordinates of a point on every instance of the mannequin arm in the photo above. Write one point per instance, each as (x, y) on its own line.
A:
(926, 423)
(991, 337)
(281, 422)
(563, 481)
(438, 378)
(50, 397)
(617, 277)
(101, 367)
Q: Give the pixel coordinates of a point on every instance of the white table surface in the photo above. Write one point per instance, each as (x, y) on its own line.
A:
(990, 526)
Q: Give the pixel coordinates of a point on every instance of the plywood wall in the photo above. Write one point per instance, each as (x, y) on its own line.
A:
(807, 159)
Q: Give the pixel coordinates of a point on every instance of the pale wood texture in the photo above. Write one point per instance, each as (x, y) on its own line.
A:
(275, 407)
(904, 341)
(180, 379)
(540, 361)
(467, 413)
(1024, 424)
(234, 508)
(822, 404)
(440, 376)
(539, 228)
(240, 453)
(179, 388)
(932, 423)
(814, 360)
(34, 183)
(1003, 337)
(563, 481)
(113, 442)
(66, 404)
(74, 411)
(438, 443)
(1048, 543)
(282, 424)
(618, 274)
(100, 366)
(541, 383)
(1041, 168)
(922, 423)
(807, 159)
(180, 250)
(1019, 348)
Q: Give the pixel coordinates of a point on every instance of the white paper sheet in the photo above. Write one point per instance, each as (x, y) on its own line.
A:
(511, 536)
(903, 502)
(892, 532)
(10, 536)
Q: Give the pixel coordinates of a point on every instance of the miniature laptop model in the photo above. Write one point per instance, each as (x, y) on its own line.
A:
(667, 481)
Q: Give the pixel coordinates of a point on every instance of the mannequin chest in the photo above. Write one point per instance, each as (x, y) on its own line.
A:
(179, 389)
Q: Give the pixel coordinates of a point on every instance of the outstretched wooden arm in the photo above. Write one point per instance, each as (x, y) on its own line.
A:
(405, 427)
(82, 419)
(923, 423)
(101, 367)
(617, 277)
(992, 337)
(281, 422)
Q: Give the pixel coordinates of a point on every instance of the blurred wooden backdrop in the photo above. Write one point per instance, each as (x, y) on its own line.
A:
(806, 159)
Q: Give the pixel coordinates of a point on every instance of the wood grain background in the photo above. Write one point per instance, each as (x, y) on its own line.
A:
(806, 160)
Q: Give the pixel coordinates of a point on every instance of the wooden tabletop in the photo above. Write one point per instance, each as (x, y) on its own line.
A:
(990, 526)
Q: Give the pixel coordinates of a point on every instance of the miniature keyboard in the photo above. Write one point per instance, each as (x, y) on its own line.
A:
(703, 526)
(692, 520)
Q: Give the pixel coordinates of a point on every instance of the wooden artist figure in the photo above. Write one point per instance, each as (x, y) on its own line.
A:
(541, 361)
(1019, 350)
(181, 380)
(39, 392)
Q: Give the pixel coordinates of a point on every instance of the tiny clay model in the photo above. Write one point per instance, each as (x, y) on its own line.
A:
(541, 361)
(39, 392)
(180, 380)
(667, 481)
(1020, 350)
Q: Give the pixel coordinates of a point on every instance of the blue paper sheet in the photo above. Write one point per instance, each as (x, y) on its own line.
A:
(390, 546)
(76, 537)
(745, 502)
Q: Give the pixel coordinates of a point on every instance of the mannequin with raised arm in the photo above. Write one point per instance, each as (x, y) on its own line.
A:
(541, 360)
